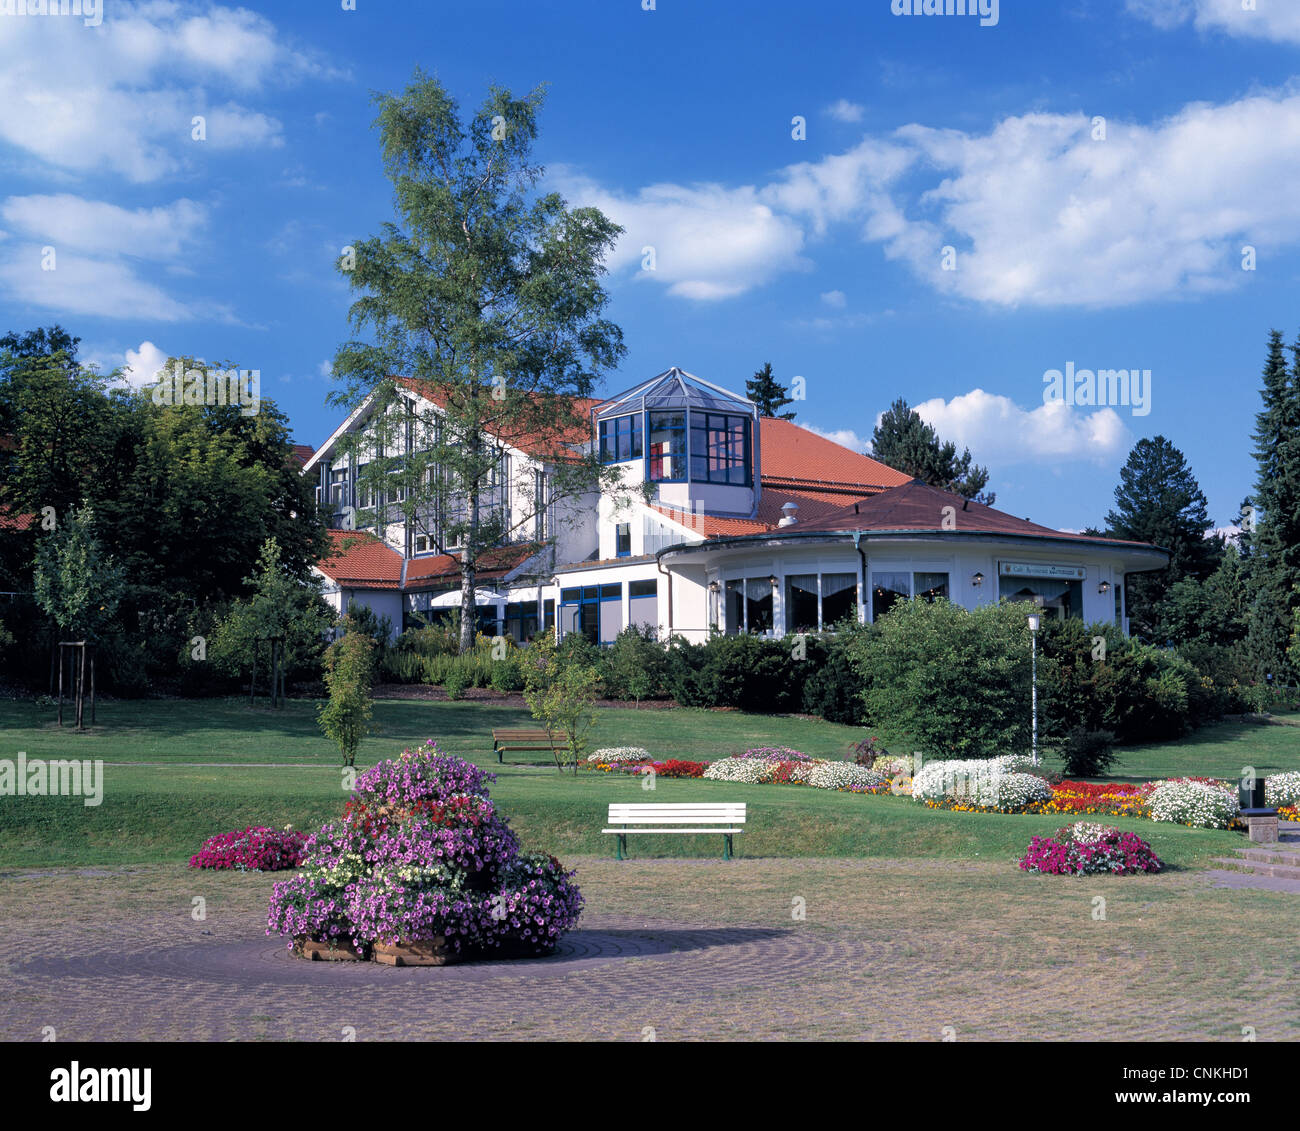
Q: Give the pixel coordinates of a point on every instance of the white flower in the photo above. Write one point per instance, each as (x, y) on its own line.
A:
(751, 770)
(1194, 803)
(841, 775)
(1282, 789)
(620, 754)
(988, 783)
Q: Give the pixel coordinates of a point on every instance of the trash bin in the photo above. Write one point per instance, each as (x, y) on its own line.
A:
(1250, 792)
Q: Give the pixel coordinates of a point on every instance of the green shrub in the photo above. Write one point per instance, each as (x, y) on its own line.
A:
(1137, 691)
(636, 665)
(684, 673)
(955, 684)
(507, 674)
(834, 689)
(455, 682)
(402, 667)
(1088, 753)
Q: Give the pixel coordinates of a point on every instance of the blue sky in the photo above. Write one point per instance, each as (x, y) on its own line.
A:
(1111, 244)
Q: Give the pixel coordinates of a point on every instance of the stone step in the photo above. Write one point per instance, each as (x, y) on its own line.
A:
(1280, 871)
(1270, 854)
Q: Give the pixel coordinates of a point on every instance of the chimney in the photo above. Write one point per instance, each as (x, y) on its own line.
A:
(787, 514)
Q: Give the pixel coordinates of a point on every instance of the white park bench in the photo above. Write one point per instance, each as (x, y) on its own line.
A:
(724, 819)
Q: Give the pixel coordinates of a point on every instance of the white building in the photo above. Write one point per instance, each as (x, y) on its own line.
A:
(752, 525)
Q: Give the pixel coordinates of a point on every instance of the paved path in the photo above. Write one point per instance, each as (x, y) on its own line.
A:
(1288, 841)
(673, 950)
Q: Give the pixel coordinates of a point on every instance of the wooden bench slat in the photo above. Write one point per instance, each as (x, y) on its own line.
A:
(515, 739)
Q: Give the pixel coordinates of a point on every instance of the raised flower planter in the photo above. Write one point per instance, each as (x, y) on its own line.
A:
(424, 952)
(422, 871)
(332, 950)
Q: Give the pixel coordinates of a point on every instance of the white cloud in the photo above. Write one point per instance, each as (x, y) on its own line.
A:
(143, 365)
(134, 84)
(87, 286)
(96, 227)
(834, 299)
(326, 368)
(1278, 20)
(845, 111)
(1039, 211)
(843, 436)
(999, 432)
(709, 242)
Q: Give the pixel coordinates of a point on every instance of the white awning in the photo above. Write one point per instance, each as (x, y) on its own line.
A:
(451, 599)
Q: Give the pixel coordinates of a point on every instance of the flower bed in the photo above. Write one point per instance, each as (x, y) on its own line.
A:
(253, 850)
(612, 755)
(1111, 851)
(670, 768)
(846, 776)
(1282, 791)
(421, 858)
(749, 770)
(973, 785)
(1119, 799)
(1197, 803)
(895, 765)
(775, 754)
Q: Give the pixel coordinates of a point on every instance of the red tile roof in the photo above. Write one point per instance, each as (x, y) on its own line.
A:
(301, 453)
(793, 456)
(800, 467)
(812, 505)
(16, 521)
(358, 558)
(916, 506)
(423, 573)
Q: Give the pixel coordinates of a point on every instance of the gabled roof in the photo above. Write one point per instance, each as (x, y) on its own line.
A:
(358, 558)
(793, 456)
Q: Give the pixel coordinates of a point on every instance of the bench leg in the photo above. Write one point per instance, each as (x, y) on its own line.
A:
(620, 847)
(726, 846)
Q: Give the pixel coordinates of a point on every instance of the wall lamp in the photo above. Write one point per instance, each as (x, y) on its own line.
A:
(977, 580)
(1104, 587)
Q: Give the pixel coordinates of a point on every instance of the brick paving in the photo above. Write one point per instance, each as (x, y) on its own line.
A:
(889, 950)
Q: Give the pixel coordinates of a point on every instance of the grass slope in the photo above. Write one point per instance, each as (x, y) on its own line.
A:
(284, 773)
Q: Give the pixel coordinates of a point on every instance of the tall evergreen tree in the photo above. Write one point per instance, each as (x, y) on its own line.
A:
(905, 442)
(1158, 500)
(769, 394)
(1274, 561)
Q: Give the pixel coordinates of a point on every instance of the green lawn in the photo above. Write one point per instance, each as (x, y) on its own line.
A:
(217, 730)
(285, 773)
